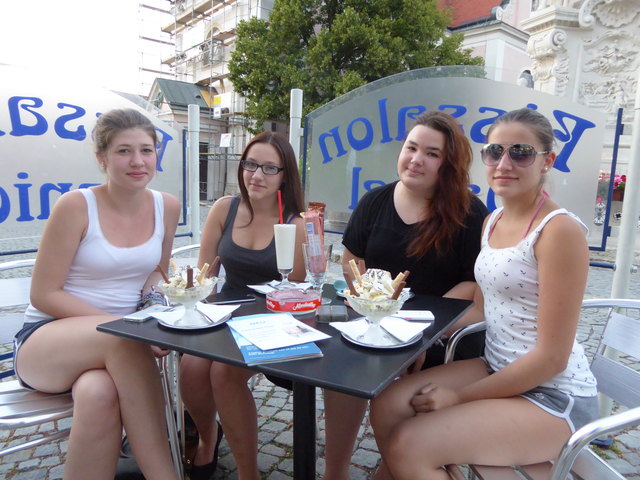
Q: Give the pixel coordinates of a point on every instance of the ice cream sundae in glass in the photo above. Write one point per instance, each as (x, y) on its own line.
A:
(374, 310)
(187, 287)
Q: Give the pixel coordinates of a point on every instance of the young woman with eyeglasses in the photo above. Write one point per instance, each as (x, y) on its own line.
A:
(239, 229)
(533, 388)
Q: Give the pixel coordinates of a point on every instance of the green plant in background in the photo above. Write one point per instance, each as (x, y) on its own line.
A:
(330, 47)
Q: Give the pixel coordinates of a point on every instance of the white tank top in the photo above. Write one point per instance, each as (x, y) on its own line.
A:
(105, 276)
(508, 278)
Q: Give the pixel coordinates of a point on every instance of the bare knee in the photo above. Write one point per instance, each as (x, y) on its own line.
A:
(403, 451)
(96, 400)
(225, 376)
(194, 371)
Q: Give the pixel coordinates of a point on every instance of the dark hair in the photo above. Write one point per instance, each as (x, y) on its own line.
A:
(452, 199)
(113, 122)
(291, 187)
(539, 124)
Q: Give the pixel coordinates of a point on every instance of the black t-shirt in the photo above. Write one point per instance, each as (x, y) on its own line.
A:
(377, 234)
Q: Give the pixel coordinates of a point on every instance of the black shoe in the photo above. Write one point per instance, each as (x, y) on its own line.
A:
(205, 472)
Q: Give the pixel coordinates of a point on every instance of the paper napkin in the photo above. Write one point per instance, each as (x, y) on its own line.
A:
(353, 328)
(399, 328)
(402, 329)
(265, 288)
(215, 312)
(415, 315)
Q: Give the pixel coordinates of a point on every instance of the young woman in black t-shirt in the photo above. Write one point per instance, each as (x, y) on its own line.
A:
(429, 223)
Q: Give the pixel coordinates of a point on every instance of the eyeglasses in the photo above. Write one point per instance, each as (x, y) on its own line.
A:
(266, 169)
(521, 154)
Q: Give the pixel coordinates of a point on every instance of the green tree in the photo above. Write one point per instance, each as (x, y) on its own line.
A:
(329, 47)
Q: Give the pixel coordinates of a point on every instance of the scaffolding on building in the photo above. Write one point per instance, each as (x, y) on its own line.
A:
(203, 33)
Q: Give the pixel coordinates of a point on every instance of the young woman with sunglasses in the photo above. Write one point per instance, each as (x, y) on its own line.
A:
(239, 229)
(521, 402)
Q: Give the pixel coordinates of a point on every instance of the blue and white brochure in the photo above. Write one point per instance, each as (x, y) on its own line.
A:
(253, 355)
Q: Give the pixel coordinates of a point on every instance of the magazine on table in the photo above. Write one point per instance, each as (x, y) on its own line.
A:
(252, 355)
(275, 330)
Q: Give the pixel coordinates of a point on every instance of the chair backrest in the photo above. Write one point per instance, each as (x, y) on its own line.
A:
(15, 291)
(619, 347)
(187, 255)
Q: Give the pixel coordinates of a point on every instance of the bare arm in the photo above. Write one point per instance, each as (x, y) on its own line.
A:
(171, 216)
(563, 261)
(212, 232)
(299, 272)
(60, 240)
(346, 257)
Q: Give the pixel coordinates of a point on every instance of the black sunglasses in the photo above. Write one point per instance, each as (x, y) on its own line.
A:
(266, 169)
(521, 154)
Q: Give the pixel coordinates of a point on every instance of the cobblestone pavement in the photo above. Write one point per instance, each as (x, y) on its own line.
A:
(275, 419)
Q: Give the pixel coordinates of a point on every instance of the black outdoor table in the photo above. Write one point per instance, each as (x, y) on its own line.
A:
(344, 367)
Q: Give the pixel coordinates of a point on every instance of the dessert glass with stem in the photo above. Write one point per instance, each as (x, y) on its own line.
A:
(374, 310)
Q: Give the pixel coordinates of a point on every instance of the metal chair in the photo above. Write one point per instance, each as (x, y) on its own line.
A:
(620, 342)
(21, 407)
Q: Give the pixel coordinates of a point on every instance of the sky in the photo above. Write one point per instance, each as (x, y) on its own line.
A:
(85, 40)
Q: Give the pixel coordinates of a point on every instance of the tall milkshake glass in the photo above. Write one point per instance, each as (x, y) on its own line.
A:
(285, 238)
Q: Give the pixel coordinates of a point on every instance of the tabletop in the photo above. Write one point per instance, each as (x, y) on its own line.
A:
(370, 370)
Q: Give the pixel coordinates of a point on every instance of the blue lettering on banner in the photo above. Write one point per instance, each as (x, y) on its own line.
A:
(19, 128)
(366, 141)
(384, 121)
(23, 198)
(26, 120)
(334, 132)
(476, 133)
(24, 205)
(59, 126)
(411, 112)
(569, 135)
(5, 205)
(570, 138)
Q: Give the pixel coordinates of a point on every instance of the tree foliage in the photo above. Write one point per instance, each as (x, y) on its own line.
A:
(329, 47)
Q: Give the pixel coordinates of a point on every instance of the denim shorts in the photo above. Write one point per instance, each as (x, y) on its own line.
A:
(25, 332)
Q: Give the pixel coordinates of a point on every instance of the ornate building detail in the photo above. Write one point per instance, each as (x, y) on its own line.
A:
(541, 4)
(611, 72)
(609, 13)
(550, 60)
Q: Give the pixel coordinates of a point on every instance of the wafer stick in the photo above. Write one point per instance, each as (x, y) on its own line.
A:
(396, 292)
(164, 275)
(356, 271)
(173, 265)
(214, 266)
(203, 273)
(352, 288)
(396, 281)
(189, 277)
(402, 276)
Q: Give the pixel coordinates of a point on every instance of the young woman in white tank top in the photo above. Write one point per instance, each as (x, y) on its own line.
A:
(98, 255)
(517, 406)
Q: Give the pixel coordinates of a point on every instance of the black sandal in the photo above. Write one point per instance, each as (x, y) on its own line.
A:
(206, 472)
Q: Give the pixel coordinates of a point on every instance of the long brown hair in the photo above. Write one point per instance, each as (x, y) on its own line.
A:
(451, 199)
(291, 186)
